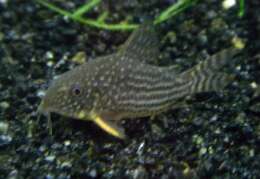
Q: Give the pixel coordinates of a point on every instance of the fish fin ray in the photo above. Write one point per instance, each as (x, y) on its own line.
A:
(142, 45)
(206, 75)
(212, 82)
(108, 125)
(173, 69)
(212, 63)
(209, 69)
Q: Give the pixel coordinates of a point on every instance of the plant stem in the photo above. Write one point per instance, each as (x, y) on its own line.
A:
(86, 21)
(241, 12)
(173, 10)
(85, 8)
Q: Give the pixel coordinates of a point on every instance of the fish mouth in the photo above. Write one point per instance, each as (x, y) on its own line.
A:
(42, 110)
(47, 113)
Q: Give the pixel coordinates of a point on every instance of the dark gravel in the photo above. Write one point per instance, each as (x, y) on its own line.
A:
(216, 136)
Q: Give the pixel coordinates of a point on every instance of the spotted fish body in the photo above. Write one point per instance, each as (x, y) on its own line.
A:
(126, 85)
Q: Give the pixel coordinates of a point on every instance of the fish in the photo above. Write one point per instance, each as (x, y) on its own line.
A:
(125, 85)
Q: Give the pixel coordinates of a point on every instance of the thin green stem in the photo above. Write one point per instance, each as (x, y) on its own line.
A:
(85, 8)
(86, 21)
(241, 12)
(173, 10)
(53, 7)
(102, 17)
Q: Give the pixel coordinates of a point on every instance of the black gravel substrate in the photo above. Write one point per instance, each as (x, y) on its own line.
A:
(216, 136)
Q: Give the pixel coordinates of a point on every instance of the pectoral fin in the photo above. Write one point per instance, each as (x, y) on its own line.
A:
(110, 127)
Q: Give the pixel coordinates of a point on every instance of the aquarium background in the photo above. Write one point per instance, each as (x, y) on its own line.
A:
(217, 135)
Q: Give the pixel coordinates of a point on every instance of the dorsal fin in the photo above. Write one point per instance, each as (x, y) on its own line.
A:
(142, 45)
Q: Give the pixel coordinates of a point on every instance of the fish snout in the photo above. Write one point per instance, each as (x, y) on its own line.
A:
(42, 109)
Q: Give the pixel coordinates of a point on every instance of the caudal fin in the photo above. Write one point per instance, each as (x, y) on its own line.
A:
(206, 76)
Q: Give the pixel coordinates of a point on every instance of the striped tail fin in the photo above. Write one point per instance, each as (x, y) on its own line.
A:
(206, 76)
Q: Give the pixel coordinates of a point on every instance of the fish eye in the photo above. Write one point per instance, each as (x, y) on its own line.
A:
(76, 90)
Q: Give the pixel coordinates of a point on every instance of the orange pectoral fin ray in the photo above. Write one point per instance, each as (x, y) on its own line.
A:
(109, 126)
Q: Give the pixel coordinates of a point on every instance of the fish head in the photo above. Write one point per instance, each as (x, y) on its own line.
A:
(69, 95)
